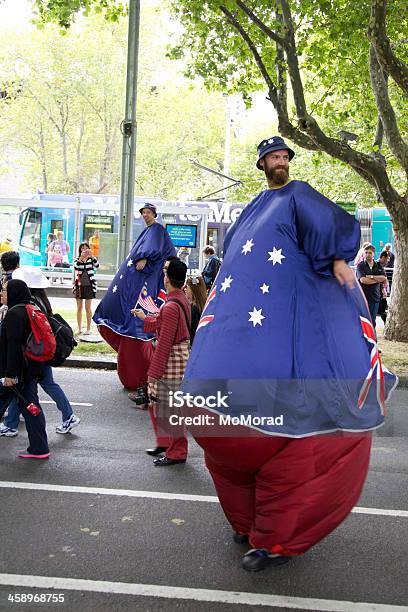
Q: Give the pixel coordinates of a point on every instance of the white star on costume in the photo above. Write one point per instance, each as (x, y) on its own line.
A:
(121, 276)
(270, 140)
(114, 290)
(276, 256)
(226, 283)
(247, 247)
(256, 317)
(264, 288)
(129, 263)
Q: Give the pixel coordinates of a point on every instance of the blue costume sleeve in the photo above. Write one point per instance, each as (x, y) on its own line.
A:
(325, 231)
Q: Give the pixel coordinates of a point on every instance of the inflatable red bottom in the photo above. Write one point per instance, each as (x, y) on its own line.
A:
(134, 357)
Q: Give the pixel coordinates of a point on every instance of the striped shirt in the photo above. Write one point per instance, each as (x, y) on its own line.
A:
(171, 328)
(89, 266)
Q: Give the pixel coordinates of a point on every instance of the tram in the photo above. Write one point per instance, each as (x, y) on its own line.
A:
(79, 216)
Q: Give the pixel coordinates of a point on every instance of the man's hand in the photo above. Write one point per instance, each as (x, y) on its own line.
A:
(137, 312)
(343, 273)
(9, 382)
(141, 264)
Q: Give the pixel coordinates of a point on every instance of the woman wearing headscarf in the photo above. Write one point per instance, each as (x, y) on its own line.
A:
(17, 371)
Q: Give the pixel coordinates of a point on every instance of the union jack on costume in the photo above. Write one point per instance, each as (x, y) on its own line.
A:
(375, 369)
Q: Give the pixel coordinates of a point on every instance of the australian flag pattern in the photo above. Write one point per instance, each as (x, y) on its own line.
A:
(279, 336)
(130, 285)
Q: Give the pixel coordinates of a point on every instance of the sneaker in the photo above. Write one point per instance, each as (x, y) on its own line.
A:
(258, 559)
(24, 455)
(67, 425)
(7, 431)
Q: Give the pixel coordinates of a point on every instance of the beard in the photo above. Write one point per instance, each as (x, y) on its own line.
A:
(277, 175)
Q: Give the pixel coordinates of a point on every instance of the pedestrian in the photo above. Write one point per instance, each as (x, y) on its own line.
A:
(385, 287)
(196, 294)
(285, 359)
(390, 266)
(360, 255)
(55, 258)
(140, 275)
(84, 288)
(388, 248)
(63, 246)
(50, 240)
(183, 254)
(371, 276)
(9, 261)
(6, 244)
(94, 244)
(172, 329)
(37, 283)
(19, 372)
(211, 267)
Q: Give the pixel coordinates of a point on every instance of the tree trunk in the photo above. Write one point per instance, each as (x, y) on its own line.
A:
(397, 319)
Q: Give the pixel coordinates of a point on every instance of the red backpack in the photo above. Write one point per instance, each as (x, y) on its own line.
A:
(41, 343)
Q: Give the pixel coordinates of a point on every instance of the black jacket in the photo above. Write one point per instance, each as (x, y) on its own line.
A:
(14, 333)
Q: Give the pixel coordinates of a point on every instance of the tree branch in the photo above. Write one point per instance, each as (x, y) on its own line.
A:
(377, 35)
(235, 23)
(261, 25)
(293, 63)
(386, 111)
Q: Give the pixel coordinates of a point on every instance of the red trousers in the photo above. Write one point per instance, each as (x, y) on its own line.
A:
(174, 439)
(287, 494)
(134, 357)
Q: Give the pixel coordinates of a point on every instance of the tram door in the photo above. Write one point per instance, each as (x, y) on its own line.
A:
(214, 239)
(56, 222)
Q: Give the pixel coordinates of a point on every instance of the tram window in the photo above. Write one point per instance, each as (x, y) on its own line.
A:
(31, 234)
(213, 238)
(57, 225)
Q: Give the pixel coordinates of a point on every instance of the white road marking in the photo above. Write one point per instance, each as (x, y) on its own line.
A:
(72, 403)
(169, 592)
(34, 486)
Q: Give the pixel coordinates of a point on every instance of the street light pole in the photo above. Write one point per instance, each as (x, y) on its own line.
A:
(129, 131)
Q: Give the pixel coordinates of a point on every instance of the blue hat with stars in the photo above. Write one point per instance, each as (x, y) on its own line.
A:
(149, 206)
(276, 143)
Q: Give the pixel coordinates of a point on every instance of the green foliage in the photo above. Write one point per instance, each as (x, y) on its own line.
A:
(64, 12)
(332, 47)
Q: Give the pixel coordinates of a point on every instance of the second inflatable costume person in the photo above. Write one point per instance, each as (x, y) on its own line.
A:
(140, 275)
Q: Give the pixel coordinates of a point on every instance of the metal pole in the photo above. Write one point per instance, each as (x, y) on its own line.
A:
(129, 130)
(77, 221)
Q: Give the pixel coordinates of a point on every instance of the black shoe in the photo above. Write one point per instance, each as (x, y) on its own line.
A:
(156, 451)
(163, 461)
(240, 538)
(258, 559)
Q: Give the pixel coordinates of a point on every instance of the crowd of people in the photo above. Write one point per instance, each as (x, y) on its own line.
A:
(279, 335)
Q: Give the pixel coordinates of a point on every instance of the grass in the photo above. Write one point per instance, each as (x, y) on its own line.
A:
(394, 355)
(86, 349)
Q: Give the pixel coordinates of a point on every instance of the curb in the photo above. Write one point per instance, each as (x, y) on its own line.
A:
(402, 382)
(89, 363)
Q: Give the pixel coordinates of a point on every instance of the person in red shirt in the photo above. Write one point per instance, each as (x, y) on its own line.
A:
(172, 327)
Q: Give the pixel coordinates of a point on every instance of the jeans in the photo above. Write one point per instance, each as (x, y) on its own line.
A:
(373, 308)
(52, 389)
(35, 425)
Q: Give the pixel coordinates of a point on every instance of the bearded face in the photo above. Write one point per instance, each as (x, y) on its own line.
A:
(276, 167)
